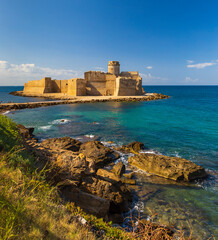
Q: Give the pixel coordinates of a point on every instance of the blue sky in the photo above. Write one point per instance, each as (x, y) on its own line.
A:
(170, 42)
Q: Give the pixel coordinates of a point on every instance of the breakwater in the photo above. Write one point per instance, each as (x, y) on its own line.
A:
(85, 99)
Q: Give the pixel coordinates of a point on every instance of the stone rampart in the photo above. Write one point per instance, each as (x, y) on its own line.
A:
(77, 87)
(125, 87)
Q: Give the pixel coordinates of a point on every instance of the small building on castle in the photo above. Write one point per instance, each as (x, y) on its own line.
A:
(94, 83)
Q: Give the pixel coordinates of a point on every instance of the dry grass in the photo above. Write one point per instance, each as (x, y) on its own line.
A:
(31, 209)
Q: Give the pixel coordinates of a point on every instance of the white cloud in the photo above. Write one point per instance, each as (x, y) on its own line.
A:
(148, 78)
(188, 80)
(190, 61)
(17, 74)
(201, 65)
(149, 67)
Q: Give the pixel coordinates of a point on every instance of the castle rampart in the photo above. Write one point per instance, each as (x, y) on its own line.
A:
(95, 83)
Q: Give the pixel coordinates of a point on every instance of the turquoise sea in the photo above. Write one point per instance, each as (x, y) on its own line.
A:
(185, 125)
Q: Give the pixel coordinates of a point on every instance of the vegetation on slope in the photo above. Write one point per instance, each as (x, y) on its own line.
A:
(30, 208)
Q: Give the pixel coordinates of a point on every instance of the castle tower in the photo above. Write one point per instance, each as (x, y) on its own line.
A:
(114, 67)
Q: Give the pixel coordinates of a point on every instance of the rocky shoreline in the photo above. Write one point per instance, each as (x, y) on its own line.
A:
(89, 172)
(64, 99)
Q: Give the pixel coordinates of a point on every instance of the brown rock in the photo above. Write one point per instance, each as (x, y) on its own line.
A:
(98, 152)
(119, 169)
(116, 218)
(91, 204)
(134, 147)
(107, 175)
(25, 132)
(62, 143)
(71, 166)
(128, 181)
(128, 175)
(168, 167)
(118, 194)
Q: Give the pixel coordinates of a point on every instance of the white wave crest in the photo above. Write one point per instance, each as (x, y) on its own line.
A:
(4, 113)
(90, 136)
(60, 121)
(45, 128)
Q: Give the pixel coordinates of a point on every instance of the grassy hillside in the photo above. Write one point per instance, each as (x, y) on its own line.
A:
(29, 207)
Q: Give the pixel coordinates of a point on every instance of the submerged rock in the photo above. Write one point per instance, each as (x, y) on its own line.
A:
(99, 153)
(178, 169)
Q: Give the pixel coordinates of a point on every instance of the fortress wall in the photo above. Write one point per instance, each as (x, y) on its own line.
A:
(81, 87)
(139, 88)
(38, 86)
(125, 87)
(60, 86)
(110, 84)
(56, 86)
(96, 83)
(77, 87)
(64, 86)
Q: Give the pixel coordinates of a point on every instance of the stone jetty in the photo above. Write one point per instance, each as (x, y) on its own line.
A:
(62, 99)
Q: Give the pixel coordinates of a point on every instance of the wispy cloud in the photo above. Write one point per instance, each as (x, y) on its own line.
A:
(191, 80)
(149, 67)
(19, 73)
(148, 78)
(201, 65)
(189, 61)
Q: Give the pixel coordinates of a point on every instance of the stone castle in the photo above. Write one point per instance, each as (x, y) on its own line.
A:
(94, 83)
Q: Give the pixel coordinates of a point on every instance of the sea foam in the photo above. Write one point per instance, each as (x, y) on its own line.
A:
(45, 128)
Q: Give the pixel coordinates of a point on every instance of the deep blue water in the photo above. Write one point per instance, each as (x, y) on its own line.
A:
(185, 125)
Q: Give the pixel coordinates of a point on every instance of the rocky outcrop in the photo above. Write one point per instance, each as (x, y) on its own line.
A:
(75, 169)
(92, 204)
(62, 143)
(178, 169)
(107, 175)
(134, 147)
(116, 192)
(119, 169)
(25, 132)
(100, 154)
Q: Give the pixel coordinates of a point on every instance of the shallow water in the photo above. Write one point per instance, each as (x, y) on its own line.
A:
(185, 125)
